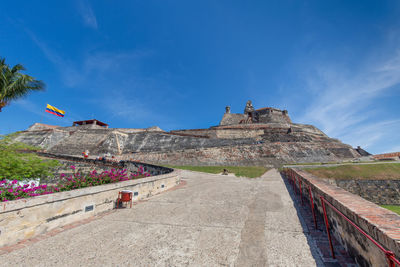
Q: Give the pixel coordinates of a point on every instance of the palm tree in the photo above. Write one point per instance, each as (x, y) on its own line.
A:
(14, 85)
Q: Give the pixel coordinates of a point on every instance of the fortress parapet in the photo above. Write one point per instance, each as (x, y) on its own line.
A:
(251, 115)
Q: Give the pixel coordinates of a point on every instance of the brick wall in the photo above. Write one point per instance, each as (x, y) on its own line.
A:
(394, 155)
(382, 224)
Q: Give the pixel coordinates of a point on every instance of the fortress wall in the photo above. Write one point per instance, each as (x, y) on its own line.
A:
(75, 140)
(42, 138)
(164, 142)
(232, 118)
(274, 117)
(209, 133)
(305, 128)
(243, 155)
(254, 126)
(137, 130)
(238, 133)
(100, 142)
(79, 141)
(380, 223)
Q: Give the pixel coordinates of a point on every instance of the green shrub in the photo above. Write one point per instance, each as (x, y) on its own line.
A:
(18, 162)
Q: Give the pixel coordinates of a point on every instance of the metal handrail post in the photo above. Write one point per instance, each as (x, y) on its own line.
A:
(312, 206)
(301, 192)
(327, 227)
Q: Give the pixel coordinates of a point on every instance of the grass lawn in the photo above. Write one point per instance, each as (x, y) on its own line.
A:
(384, 171)
(392, 208)
(250, 172)
(313, 163)
(326, 163)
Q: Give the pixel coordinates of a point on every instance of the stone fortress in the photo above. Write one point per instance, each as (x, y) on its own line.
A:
(250, 115)
(263, 136)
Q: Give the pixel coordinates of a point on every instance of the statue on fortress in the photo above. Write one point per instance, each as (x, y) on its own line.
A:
(227, 109)
(249, 108)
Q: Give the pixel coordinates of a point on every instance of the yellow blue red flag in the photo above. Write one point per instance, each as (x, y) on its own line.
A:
(55, 111)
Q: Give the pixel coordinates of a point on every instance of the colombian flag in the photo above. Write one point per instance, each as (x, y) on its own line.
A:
(55, 111)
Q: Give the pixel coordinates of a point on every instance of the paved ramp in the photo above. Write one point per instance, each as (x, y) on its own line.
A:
(211, 221)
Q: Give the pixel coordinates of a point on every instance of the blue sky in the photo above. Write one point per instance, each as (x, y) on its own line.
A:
(177, 64)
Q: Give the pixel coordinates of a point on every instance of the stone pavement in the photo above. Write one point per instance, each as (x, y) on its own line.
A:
(212, 220)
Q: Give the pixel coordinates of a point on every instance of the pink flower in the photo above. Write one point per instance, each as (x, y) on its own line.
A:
(14, 182)
(10, 190)
(72, 167)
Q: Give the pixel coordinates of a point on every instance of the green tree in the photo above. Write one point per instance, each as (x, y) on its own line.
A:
(14, 85)
(18, 161)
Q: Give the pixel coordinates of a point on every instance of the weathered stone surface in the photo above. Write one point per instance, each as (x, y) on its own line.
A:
(250, 155)
(232, 118)
(40, 126)
(42, 138)
(383, 192)
(262, 115)
(263, 136)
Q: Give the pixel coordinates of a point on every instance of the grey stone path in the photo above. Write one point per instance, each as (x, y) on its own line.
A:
(212, 221)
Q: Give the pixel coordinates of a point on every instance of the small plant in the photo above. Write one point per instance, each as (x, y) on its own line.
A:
(10, 190)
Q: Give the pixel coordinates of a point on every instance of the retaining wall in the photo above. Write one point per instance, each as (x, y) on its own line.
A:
(128, 164)
(26, 218)
(260, 154)
(382, 224)
(382, 192)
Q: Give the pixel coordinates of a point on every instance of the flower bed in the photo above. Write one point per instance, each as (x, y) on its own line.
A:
(11, 190)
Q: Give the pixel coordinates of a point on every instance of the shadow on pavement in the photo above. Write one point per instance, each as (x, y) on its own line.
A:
(317, 238)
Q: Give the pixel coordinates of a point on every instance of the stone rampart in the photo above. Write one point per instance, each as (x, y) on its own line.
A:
(299, 139)
(43, 138)
(27, 218)
(382, 192)
(128, 164)
(232, 118)
(381, 224)
(247, 155)
(239, 133)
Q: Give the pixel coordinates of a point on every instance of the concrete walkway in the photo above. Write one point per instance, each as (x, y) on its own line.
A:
(211, 221)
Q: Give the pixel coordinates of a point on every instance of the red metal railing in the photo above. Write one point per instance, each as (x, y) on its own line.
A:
(392, 261)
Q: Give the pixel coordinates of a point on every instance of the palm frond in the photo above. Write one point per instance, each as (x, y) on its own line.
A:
(14, 85)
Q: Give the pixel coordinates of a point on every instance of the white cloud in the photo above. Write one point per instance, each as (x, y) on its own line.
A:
(343, 102)
(87, 14)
